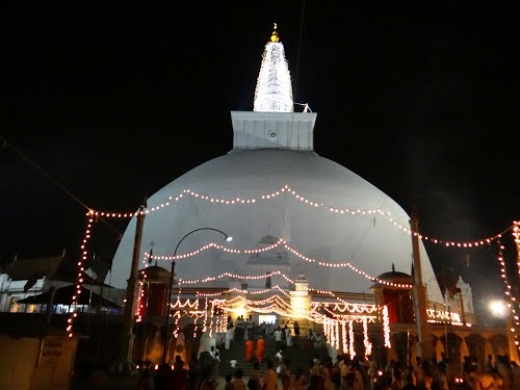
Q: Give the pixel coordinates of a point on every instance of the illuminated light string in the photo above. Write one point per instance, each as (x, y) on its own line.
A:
(386, 327)
(259, 302)
(253, 277)
(327, 331)
(188, 304)
(361, 308)
(141, 294)
(366, 340)
(211, 317)
(177, 327)
(348, 317)
(237, 290)
(344, 337)
(356, 318)
(343, 317)
(336, 333)
(331, 326)
(80, 275)
(206, 247)
(291, 250)
(516, 236)
(288, 190)
(205, 316)
(508, 291)
(352, 350)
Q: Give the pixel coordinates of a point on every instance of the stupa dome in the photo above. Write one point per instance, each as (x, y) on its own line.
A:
(370, 242)
(273, 186)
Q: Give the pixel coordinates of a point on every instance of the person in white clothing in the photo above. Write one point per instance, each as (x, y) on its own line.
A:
(288, 337)
(228, 338)
(278, 338)
(215, 361)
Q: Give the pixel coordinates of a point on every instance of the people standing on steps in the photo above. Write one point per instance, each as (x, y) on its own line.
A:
(227, 338)
(285, 375)
(250, 326)
(296, 327)
(239, 328)
(278, 338)
(229, 385)
(279, 357)
(215, 362)
(230, 324)
(249, 349)
(288, 338)
(299, 381)
(270, 377)
(254, 382)
(229, 333)
(238, 383)
(260, 345)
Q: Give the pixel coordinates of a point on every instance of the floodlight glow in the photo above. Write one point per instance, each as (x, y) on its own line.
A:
(498, 308)
(229, 238)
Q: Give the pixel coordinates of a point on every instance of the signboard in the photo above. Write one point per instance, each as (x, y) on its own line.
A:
(52, 351)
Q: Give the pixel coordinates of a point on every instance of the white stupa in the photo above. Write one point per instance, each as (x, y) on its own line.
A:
(273, 148)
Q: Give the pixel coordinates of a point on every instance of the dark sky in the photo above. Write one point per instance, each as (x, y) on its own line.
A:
(115, 102)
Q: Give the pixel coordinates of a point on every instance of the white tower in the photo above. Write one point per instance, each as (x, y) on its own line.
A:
(460, 300)
(273, 124)
(273, 88)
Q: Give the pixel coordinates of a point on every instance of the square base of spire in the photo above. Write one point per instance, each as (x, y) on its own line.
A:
(273, 130)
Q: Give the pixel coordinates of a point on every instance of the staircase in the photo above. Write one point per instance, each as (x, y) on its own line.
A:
(299, 356)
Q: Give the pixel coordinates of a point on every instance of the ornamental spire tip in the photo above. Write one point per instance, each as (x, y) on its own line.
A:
(274, 35)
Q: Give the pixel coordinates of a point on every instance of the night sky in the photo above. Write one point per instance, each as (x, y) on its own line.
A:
(114, 103)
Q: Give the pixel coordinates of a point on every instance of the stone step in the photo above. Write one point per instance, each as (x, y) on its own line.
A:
(299, 355)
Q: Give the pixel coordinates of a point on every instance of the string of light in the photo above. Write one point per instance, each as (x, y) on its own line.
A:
(508, 291)
(386, 327)
(516, 236)
(351, 348)
(80, 275)
(366, 340)
(238, 201)
(237, 290)
(288, 248)
(141, 295)
(344, 337)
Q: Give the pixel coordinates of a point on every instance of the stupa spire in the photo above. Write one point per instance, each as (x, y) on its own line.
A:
(273, 88)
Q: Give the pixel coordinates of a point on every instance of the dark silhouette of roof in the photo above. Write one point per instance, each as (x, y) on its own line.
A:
(64, 295)
(393, 277)
(58, 268)
(155, 274)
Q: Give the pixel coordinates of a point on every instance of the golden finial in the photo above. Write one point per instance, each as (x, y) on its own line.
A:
(274, 35)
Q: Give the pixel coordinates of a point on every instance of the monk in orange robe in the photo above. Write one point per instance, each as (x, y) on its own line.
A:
(260, 344)
(249, 350)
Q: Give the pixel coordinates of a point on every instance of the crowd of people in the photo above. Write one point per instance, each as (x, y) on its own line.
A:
(341, 373)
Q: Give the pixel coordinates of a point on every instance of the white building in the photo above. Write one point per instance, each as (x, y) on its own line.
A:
(23, 278)
(273, 184)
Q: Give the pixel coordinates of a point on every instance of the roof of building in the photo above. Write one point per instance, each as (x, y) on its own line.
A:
(24, 269)
(155, 274)
(394, 276)
(59, 268)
